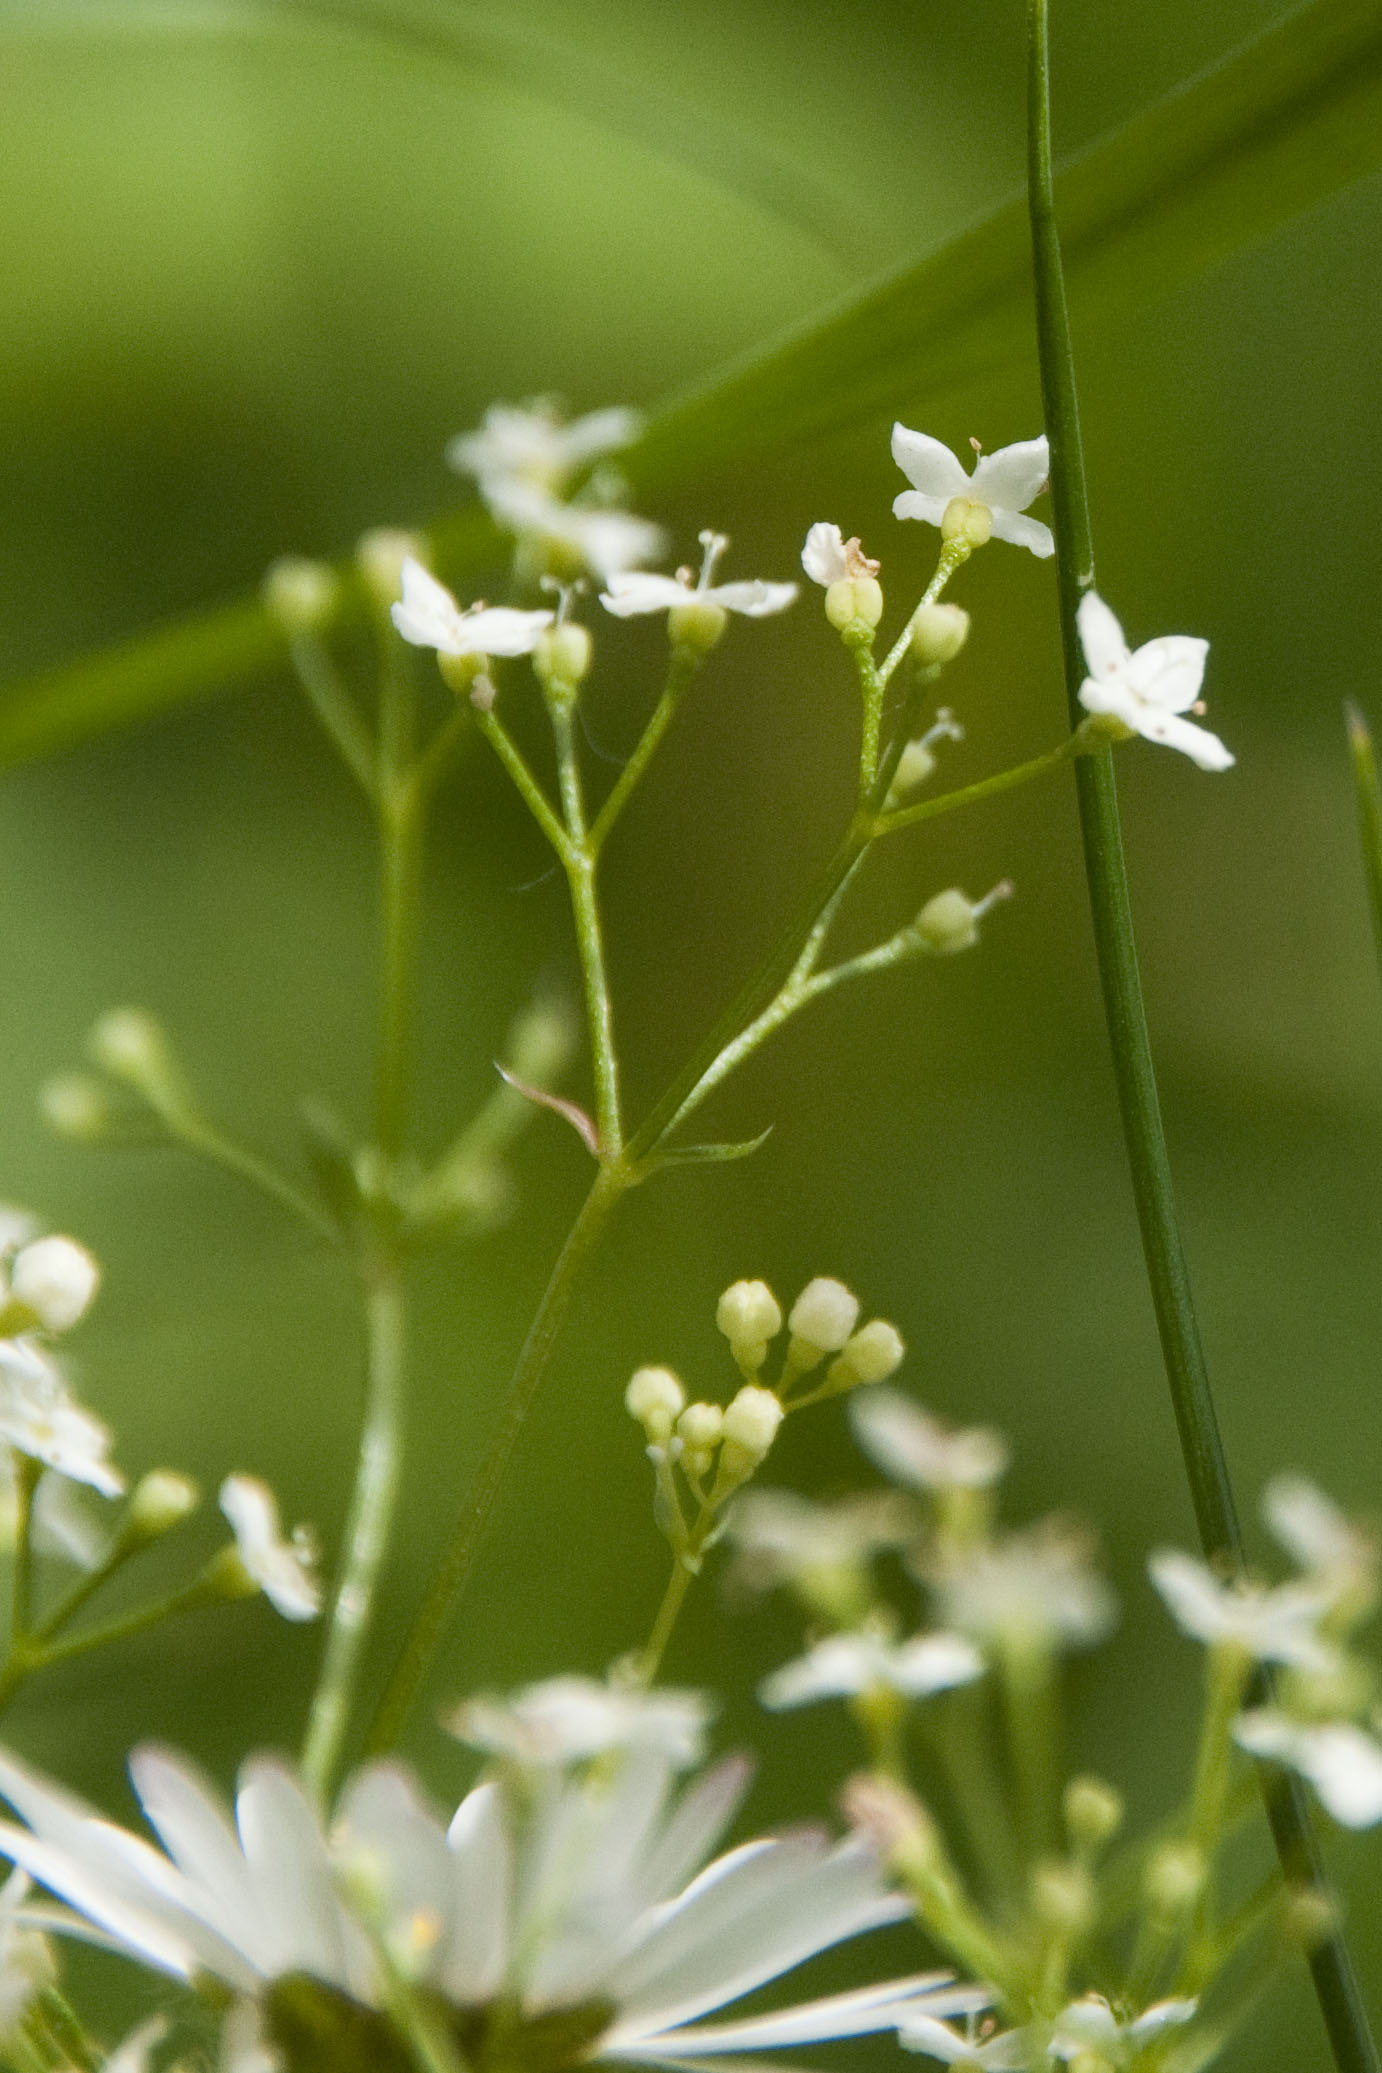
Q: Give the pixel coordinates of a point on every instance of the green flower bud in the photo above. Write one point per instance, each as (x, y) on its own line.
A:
(303, 596)
(77, 1108)
(380, 555)
(947, 923)
(1093, 1812)
(855, 601)
(938, 633)
(967, 519)
(562, 656)
(697, 627)
(160, 1501)
(654, 1398)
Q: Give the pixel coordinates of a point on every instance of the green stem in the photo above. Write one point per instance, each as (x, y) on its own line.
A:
(527, 786)
(1369, 797)
(680, 670)
(1075, 744)
(580, 860)
(335, 709)
(1029, 1700)
(452, 1571)
(954, 554)
(367, 1531)
(1206, 1468)
(204, 1138)
(400, 890)
(198, 1593)
(26, 1474)
(440, 753)
(649, 1659)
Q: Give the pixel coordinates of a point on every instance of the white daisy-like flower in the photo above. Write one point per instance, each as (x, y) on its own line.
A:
(1320, 1538)
(912, 1447)
(1150, 688)
(1004, 2051)
(1342, 1762)
(283, 1569)
(569, 1719)
(429, 617)
(39, 1417)
(1089, 2029)
(634, 592)
(605, 541)
(845, 1666)
(829, 558)
(1034, 1588)
(534, 444)
(1274, 1625)
(1004, 483)
(588, 1899)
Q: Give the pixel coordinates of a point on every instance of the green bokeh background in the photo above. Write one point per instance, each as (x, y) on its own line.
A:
(259, 267)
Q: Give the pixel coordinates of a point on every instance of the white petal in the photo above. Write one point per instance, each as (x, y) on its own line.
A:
(631, 592)
(1202, 747)
(132, 2056)
(186, 1811)
(929, 467)
(1168, 672)
(1101, 637)
(1192, 1594)
(1315, 1533)
(1011, 478)
(823, 556)
(1161, 2016)
(500, 631)
(600, 431)
(1023, 532)
(284, 1847)
(838, 1667)
(1342, 1762)
(473, 1966)
(427, 614)
(696, 1825)
(915, 503)
(934, 1663)
(753, 600)
(859, 2014)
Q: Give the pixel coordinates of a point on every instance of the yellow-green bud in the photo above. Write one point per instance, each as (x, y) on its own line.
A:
(824, 1315)
(749, 1315)
(1093, 1812)
(131, 1045)
(699, 627)
(749, 1429)
(1174, 1878)
(655, 1397)
(947, 923)
(968, 520)
(699, 1429)
(459, 672)
(159, 1501)
(914, 766)
(303, 596)
(854, 601)
(562, 655)
(1310, 1917)
(939, 632)
(1062, 1896)
(76, 1107)
(380, 555)
(871, 1355)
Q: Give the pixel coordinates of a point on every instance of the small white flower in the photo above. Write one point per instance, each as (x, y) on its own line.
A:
(1037, 1587)
(39, 1417)
(1090, 2027)
(632, 593)
(568, 1719)
(1005, 483)
(824, 1315)
(844, 1666)
(591, 1893)
(429, 617)
(606, 541)
(534, 445)
(1006, 2051)
(56, 1279)
(1319, 1538)
(914, 1448)
(283, 1569)
(1342, 1762)
(17, 1227)
(781, 1537)
(829, 558)
(1149, 688)
(1274, 1625)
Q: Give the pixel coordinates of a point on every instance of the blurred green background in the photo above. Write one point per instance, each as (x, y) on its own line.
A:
(260, 266)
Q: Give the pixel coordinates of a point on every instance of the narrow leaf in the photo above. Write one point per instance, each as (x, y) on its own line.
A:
(1368, 793)
(1274, 128)
(574, 1114)
(707, 1154)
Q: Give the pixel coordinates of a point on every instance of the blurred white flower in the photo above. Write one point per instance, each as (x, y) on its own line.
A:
(1037, 1588)
(1342, 1762)
(1089, 2030)
(1319, 1538)
(534, 444)
(1149, 688)
(573, 1899)
(17, 1227)
(605, 541)
(847, 1665)
(283, 1569)
(912, 1447)
(1005, 483)
(829, 558)
(1005, 2051)
(56, 1279)
(1273, 1625)
(780, 1536)
(567, 1719)
(429, 617)
(39, 1417)
(634, 592)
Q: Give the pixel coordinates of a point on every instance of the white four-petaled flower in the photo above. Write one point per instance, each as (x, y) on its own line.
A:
(1150, 688)
(1089, 2030)
(1034, 1588)
(283, 1569)
(912, 1447)
(848, 1665)
(569, 1719)
(829, 558)
(604, 540)
(1005, 483)
(586, 1894)
(1321, 1539)
(634, 591)
(1277, 1625)
(534, 444)
(39, 1417)
(1342, 1761)
(429, 617)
